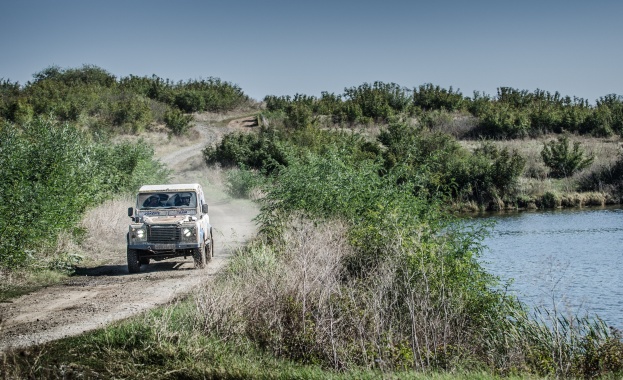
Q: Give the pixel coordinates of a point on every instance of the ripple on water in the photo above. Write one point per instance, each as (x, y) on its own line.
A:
(573, 259)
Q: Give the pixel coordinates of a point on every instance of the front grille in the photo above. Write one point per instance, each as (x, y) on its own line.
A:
(164, 234)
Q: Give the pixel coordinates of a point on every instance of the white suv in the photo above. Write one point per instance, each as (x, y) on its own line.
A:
(169, 221)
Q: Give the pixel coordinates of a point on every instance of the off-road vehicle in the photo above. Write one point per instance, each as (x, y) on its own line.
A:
(169, 221)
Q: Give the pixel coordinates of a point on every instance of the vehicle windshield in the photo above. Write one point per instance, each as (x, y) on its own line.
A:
(175, 199)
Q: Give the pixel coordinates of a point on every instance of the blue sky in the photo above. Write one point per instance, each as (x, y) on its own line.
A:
(288, 47)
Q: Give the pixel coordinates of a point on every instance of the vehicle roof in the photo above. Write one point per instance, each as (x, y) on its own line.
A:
(170, 187)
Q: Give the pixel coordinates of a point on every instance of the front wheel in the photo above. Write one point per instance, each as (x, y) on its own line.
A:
(210, 249)
(134, 264)
(199, 255)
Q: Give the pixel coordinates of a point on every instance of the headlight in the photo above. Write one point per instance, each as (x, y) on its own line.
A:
(188, 233)
(138, 234)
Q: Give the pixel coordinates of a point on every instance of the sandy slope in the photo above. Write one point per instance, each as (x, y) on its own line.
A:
(105, 293)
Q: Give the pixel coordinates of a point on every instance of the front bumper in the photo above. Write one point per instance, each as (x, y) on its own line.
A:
(163, 247)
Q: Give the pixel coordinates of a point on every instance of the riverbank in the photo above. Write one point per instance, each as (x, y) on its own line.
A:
(537, 190)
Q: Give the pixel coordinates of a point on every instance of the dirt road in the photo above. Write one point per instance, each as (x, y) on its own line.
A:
(102, 293)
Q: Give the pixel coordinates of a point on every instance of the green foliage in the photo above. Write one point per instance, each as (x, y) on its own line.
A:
(429, 97)
(557, 345)
(127, 105)
(379, 101)
(86, 75)
(9, 95)
(190, 101)
(240, 182)
(562, 160)
(516, 113)
(51, 174)
(129, 112)
(261, 151)
(298, 115)
(501, 121)
(389, 227)
(487, 176)
(607, 118)
(512, 113)
(177, 122)
(437, 164)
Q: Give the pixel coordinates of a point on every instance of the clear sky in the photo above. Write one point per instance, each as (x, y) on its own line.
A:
(286, 47)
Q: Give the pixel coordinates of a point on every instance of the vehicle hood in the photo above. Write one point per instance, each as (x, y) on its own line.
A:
(172, 219)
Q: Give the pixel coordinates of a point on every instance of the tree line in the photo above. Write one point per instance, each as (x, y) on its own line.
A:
(511, 113)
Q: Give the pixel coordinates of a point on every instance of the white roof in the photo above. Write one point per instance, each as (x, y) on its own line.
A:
(170, 187)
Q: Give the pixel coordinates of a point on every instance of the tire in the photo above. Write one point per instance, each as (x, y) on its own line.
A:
(199, 255)
(134, 264)
(210, 249)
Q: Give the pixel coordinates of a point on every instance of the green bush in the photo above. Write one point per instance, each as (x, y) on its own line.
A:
(190, 101)
(437, 164)
(379, 101)
(51, 174)
(562, 160)
(400, 251)
(429, 97)
(177, 122)
(298, 115)
(130, 112)
(262, 151)
(86, 75)
(487, 176)
(240, 182)
(500, 121)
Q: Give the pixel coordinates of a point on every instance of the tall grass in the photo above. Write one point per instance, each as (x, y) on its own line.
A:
(103, 226)
(297, 302)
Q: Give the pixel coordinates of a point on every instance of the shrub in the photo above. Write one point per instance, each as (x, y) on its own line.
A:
(562, 160)
(378, 101)
(607, 178)
(51, 174)
(429, 97)
(488, 176)
(241, 182)
(500, 121)
(177, 122)
(298, 115)
(261, 151)
(130, 112)
(391, 285)
(439, 165)
(86, 75)
(190, 101)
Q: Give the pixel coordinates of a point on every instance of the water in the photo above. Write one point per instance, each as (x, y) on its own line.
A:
(571, 260)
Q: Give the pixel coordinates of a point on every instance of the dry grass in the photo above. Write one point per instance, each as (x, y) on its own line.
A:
(298, 302)
(535, 181)
(269, 296)
(606, 150)
(106, 227)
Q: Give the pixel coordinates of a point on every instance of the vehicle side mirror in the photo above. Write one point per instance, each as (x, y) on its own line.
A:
(204, 208)
(131, 212)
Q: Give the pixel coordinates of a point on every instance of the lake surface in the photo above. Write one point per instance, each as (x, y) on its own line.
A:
(570, 259)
